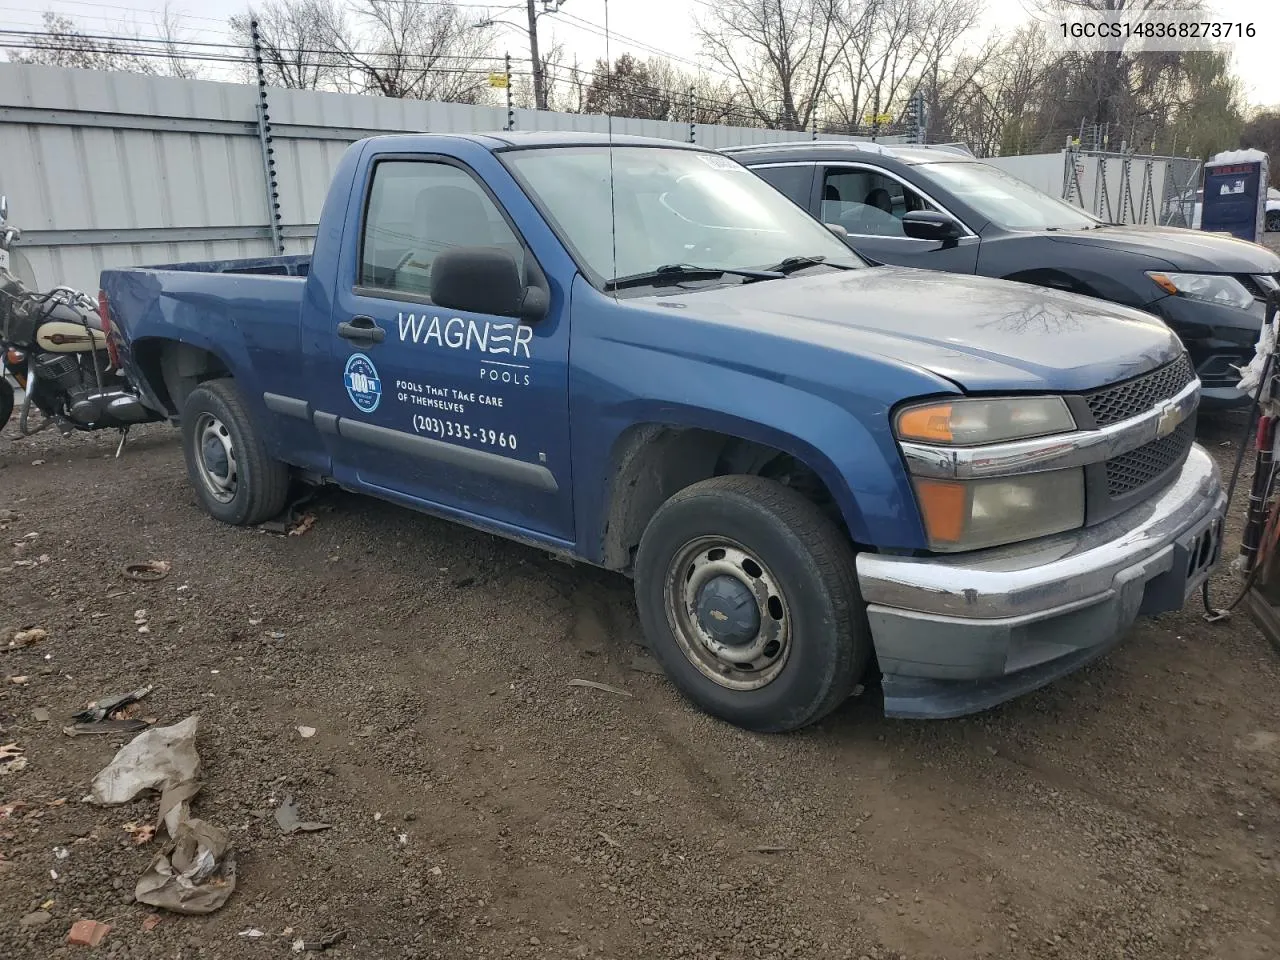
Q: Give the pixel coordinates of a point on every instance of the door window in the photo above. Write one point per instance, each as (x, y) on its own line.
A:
(868, 203)
(416, 210)
(793, 180)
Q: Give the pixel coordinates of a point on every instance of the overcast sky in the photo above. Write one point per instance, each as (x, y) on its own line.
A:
(643, 27)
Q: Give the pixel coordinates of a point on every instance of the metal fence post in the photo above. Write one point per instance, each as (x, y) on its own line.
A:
(693, 118)
(511, 110)
(265, 144)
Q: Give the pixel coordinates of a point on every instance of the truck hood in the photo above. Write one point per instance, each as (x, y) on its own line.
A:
(979, 333)
(1171, 248)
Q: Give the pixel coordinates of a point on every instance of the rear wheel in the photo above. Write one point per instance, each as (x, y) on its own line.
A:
(749, 598)
(1273, 220)
(227, 461)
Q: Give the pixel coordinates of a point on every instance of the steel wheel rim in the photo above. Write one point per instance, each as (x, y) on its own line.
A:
(742, 665)
(216, 458)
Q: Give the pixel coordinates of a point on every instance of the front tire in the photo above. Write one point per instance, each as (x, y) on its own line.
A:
(1273, 221)
(227, 461)
(749, 598)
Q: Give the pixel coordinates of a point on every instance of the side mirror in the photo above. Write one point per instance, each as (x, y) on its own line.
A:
(485, 280)
(838, 230)
(929, 225)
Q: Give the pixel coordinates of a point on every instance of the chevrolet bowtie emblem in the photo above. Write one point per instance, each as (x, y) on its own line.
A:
(1170, 417)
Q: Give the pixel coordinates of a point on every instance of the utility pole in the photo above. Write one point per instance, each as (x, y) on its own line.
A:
(539, 80)
(539, 88)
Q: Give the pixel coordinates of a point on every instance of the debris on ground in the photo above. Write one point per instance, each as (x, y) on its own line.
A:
(305, 523)
(597, 685)
(160, 758)
(151, 922)
(88, 933)
(11, 759)
(107, 707)
(140, 833)
(19, 681)
(287, 818)
(318, 946)
(26, 638)
(196, 873)
(643, 663)
(148, 571)
(253, 933)
(105, 727)
(175, 805)
(40, 715)
(306, 732)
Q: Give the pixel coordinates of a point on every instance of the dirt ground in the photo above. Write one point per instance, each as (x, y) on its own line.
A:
(481, 806)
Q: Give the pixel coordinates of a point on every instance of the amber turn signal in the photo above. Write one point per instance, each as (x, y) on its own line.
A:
(929, 423)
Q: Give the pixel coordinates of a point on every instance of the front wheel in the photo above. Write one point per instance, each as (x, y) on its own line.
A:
(1273, 221)
(749, 598)
(236, 480)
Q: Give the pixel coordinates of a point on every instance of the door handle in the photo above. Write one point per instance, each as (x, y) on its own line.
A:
(362, 330)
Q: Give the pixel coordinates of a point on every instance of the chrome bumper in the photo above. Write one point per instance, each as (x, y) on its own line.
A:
(957, 634)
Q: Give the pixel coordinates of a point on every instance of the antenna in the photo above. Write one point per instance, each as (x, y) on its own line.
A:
(613, 206)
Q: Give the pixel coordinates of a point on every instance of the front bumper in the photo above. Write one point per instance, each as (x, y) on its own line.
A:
(957, 634)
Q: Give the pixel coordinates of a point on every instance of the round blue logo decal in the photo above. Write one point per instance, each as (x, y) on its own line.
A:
(363, 386)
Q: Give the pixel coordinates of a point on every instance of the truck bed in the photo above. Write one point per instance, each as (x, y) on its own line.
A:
(291, 266)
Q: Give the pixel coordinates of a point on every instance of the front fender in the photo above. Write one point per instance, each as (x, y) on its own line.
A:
(839, 430)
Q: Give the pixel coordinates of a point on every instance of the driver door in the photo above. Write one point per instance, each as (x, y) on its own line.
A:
(870, 203)
(437, 407)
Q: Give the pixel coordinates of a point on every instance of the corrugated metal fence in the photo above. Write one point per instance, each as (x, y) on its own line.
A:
(115, 169)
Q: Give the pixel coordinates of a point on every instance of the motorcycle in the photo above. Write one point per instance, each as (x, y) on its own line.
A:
(53, 346)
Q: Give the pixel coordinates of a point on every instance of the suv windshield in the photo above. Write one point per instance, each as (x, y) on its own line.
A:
(1004, 199)
(672, 206)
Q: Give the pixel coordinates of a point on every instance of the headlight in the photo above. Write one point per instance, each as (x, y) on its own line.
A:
(1209, 287)
(965, 422)
(970, 514)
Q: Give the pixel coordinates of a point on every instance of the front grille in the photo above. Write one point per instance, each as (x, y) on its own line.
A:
(1124, 400)
(1137, 468)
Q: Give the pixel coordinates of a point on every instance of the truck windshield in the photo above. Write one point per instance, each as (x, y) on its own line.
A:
(1004, 199)
(672, 207)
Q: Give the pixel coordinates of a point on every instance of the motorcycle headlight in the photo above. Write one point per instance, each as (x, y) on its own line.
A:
(1209, 287)
(964, 422)
(971, 514)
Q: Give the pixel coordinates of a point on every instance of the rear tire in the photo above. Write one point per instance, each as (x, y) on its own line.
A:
(749, 598)
(227, 461)
(1273, 221)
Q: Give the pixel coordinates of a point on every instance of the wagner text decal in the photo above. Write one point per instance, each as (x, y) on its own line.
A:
(483, 336)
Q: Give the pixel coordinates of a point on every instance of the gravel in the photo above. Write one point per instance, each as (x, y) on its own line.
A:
(482, 807)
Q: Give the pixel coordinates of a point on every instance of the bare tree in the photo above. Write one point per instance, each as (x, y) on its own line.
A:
(895, 47)
(415, 50)
(295, 40)
(782, 52)
(64, 44)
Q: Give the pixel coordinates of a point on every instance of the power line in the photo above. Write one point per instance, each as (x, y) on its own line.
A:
(42, 41)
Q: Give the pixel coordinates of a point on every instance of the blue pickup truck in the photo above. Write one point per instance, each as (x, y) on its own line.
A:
(638, 354)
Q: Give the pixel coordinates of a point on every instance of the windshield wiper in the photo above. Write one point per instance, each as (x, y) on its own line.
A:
(675, 272)
(792, 264)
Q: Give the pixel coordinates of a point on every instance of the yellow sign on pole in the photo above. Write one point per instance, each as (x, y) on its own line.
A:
(880, 118)
(497, 79)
